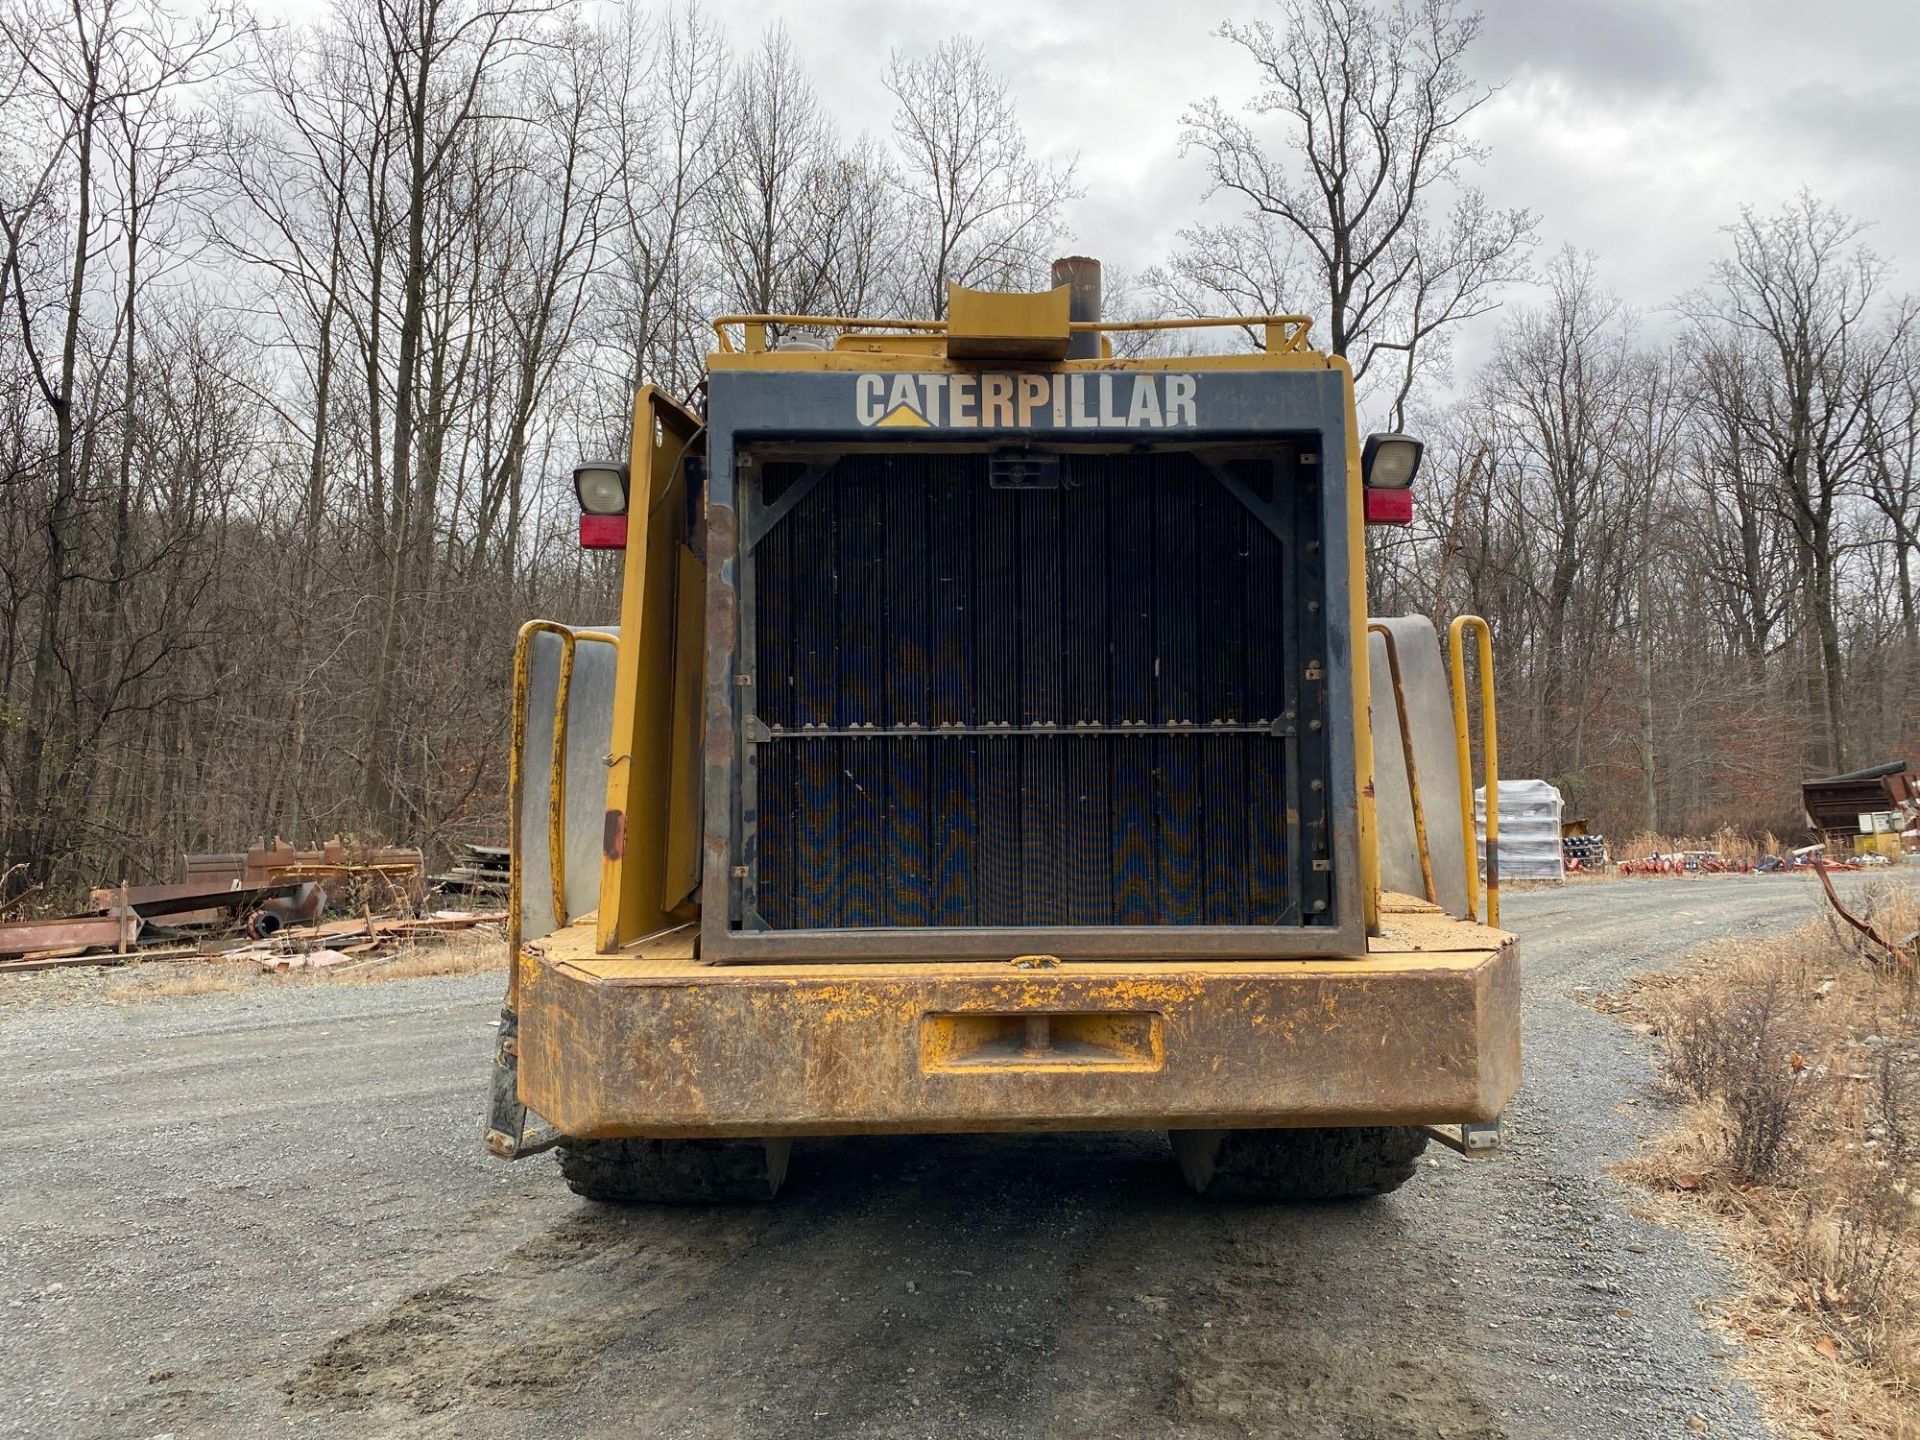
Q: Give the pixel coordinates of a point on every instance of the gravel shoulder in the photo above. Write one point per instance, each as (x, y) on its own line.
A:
(226, 1213)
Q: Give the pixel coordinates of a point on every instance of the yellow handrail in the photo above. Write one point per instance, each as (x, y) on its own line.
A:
(1413, 770)
(1285, 333)
(557, 773)
(1490, 748)
(754, 327)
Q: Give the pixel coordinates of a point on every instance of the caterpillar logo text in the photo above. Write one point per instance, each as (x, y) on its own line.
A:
(1028, 401)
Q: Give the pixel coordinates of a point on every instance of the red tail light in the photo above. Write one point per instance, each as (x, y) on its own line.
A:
(603, 532)
(1388, 507)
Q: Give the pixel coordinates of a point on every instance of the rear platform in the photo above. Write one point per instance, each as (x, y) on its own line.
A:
(1424, 1029)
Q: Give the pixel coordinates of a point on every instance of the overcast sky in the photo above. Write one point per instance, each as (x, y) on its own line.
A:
(1633, 128)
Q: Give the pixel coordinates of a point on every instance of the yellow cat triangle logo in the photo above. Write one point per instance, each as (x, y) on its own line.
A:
(903, 415)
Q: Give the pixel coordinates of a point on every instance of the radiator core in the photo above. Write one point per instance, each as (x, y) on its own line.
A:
(1088, 699)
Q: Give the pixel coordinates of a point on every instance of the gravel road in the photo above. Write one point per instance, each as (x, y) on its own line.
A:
(244, 1214)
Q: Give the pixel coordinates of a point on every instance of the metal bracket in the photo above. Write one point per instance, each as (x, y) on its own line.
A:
(1268, 515)
(508, 1136)
(764, 518)
(1475, 1137)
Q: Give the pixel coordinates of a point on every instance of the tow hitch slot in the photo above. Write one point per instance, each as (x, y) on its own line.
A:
(1028, 1040)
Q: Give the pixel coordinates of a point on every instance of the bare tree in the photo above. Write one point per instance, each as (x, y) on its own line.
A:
(858, 245)
(98, 81)
(980, 208)
(1893, 477)
(1657, 426)
(439, 63)
(1804, 289)
(1249, 268)
(669, 82)
(1745, 546)
(286, 218)
(1632, 520)
(1561, 387)
(764, 222)
(1374, 98)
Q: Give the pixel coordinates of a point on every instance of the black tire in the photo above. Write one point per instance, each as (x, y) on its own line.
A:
(675, 1172)
(1344, 1163)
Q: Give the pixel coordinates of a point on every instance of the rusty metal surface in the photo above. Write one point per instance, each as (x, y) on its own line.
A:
(1081, 275)
(401, 866)
(25, 937)
(189, 897)
(1424, 1029)
(1836, 802)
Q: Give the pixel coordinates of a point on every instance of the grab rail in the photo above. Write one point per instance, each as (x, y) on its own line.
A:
(1285, 334)
(1490, 749)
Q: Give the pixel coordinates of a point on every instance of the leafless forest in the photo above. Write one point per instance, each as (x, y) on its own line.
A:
(303, 329)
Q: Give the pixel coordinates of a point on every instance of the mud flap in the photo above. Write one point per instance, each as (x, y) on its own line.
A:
(508, 1135)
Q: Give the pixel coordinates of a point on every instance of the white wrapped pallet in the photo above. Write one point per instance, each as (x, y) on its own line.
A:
(1530, 813)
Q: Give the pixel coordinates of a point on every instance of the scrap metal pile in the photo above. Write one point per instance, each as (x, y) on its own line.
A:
(1687, 862)
(266, 905)
(343, 942)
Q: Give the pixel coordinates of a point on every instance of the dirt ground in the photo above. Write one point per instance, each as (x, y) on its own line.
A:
(267, 1211)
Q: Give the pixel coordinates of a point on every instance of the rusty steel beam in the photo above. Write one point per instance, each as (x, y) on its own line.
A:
(24, 937)
(153, 901)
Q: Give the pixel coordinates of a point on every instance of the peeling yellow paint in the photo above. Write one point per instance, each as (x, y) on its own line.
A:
(635, 1043)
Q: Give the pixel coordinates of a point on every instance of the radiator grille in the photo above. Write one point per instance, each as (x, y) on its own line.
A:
(1078, 706)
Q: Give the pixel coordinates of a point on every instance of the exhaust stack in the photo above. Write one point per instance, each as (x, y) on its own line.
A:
(1083, 274)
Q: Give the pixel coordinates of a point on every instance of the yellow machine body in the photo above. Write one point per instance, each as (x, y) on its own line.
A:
(625, 1029)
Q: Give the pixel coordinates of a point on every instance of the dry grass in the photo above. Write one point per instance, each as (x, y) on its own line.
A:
(168, 978)
(1731, 845)
(466, 952)
(473, 952)
(1797, 1061)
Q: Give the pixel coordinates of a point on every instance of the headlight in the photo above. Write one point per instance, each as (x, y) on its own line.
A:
(1390, 462)
(601, 486)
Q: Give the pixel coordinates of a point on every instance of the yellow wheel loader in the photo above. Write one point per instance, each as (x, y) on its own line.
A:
(994, 737)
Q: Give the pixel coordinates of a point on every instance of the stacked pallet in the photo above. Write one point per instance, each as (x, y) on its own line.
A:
(481, 870)
(1530, 812)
